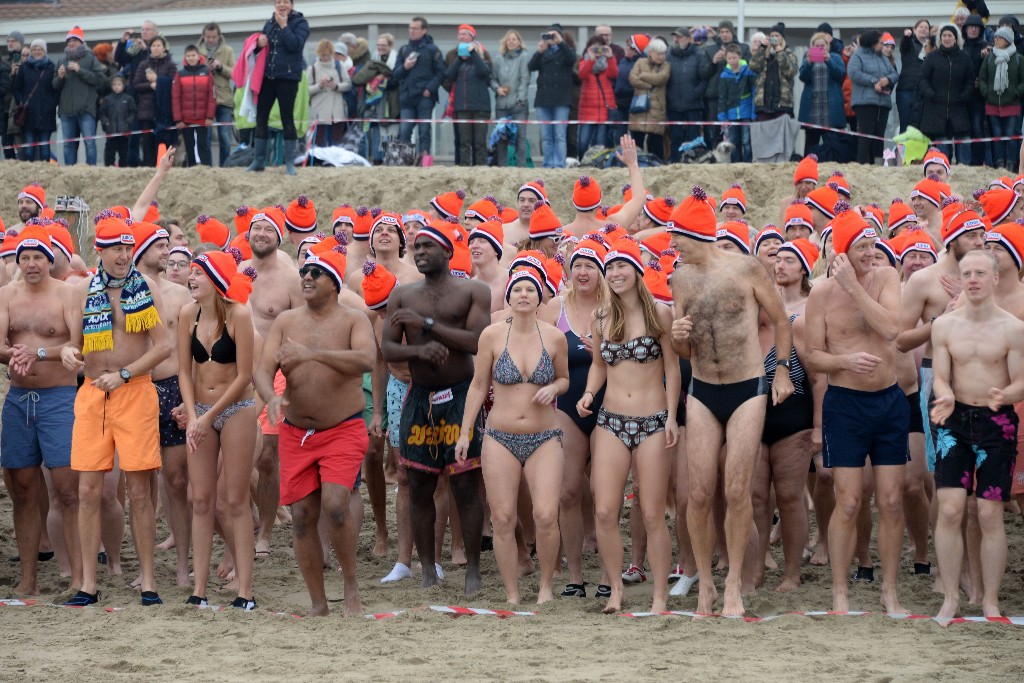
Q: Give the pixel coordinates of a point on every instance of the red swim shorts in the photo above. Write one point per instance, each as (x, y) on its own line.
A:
(265, 426)
(311, 457)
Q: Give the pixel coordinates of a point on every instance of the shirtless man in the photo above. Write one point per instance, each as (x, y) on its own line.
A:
(717, 296)
(277, 288)
(926, 201)
(979, 375)
(852, 321)
(388, 248)
(805, 179)
(152, 249)
(485, 250)
(323, 349)
(119, 390)
(791, 276)
(822, 202)
(37, 313)
(529, 194)
(440, 319)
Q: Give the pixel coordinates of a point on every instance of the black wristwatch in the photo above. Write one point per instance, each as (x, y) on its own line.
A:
(125, 374)
(784, 363)
(428, 324)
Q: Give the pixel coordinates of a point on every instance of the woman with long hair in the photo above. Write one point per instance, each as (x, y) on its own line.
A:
(215, 352)
(634, 354)
(512, 74)
(522, 437)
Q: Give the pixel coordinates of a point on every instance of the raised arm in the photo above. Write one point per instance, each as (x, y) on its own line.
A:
(149, 192)
(628, 213)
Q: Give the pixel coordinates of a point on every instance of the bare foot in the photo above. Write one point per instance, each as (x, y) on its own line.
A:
(512, 599)
(137, 583)
(706, 597)
(231, 586)
(659, 606)
(458, 556)
(225, 568)
(776, 534)
(352, 608)
(732, 604)
(590, 544)
(284, 516)
(788, 585)
(526, 566)
(840, 602)
(319, 611)
(990, 609)
(769, 561)
(473, 581)
(168, 543)
(113, 568)
(545, 595)
(25, 589)
(614, 602)
(380, 548)
(183, 577)
(949, 609)
(723, 564)
(262, 549)
(430, 578)
(820, 556)
(892, 604)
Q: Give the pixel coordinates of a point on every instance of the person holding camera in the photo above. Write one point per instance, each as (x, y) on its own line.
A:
(78, 78)
(221, 60)
(553, 61)
(598, 72)
(510, 80)
(821, 103)
(8, 72)
(468, 79)
(912, 53)
(418, 73)
(776, 68)
(130, 51)
(946, 87)
(874, 78)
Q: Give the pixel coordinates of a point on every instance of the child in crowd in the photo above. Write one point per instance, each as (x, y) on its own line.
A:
(194, 103)
(736, 101)
(117, 114)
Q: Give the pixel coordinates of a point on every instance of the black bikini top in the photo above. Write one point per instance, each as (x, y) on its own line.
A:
(645, 349)
(223, 351)
(506, 371)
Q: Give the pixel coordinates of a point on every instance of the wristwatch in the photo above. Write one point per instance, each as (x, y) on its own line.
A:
(428, 324)
(41, 353)
(125, 374)
(784, 363)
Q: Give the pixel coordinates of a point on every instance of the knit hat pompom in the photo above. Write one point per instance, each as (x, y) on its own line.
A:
(584, 181)
(841, 206)
(242, 210)
(461, 194)
(250, 273)
(236, 254)
(368, 267)
(698, 193)
(950, 200)
(302, 201)
(362, 210)
(376, 211)
(102, 215)
(977, 193)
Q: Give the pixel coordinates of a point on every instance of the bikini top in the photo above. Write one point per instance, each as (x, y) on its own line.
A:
(506, 371)
(645, 349)
(223, 351)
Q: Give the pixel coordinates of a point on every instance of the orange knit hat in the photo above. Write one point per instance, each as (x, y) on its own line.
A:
(734, 195)
(695, 217)
(735, 232)
(799, 214)
(243, 218)
(807, 169)
(112, 231)
(842, 186)
(534, 187)
(363, 221)
(544, 222)
(625, 249)
(34, 237)
(657, 243)
(914, 239)
(146, 235)
(848, 227)
(300, 216)
(899, 215)
(998, 203)
(806, 251)
(586, 194)
(378, 283)
(449, 203)
(768, 232)
(589, 249)
(212, 231)
(659, 209)
(1009, 236)
(35, 192)
(273, 215)
(824, 199)
(956, 220)
(60, 238)
(222, 269)
(491, 231)
(656, 280)
(934, 156)
(485, 209)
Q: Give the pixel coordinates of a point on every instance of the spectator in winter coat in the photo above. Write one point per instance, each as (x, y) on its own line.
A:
(468, 79)
(685, 90)
(284, 38)
(327, 84)
(736, 101)
(634, 50)
(33, 87)
(946, 82)
(912, 53)
(380, 98)
(510, 80)
(712, 65)
(8, 72)
(128, 54)
(977, 48)
(1002, 86)
(553, 61)
(598, 72)
(418, 73)
(78, 78)
(776, 68)
(650, 75)
(152, 84)
(821, 102)
(221, 60)
(194, 101)
(874, 78)
(117, 114)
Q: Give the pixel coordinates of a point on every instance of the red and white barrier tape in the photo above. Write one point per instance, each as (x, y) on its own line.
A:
(468, 611)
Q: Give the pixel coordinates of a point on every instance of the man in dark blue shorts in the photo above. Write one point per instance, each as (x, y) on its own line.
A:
(440, 319)
(978, 359)
(852, 320)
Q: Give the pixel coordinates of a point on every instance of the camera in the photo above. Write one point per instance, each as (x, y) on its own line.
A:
(547, 36)
(773, 40)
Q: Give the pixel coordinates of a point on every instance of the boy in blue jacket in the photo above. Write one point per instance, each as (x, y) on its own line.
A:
(736, 101)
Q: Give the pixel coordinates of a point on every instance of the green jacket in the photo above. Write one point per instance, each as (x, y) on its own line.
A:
(788, 67)
(301, 109)
(1014, 92)
(79, 89)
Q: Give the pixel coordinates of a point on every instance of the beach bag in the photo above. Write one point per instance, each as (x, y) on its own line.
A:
(641, 103)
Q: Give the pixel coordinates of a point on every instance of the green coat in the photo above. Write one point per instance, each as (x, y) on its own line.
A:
(1014, 92)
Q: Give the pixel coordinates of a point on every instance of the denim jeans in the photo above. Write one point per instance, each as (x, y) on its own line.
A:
(1006, 151)
(908, 107)
(40, 153)
(423, 109)
(981, 152)
(680, 134)
(739, 136)
(225, 134)
(553, 135)
(82, 125)
(618, 125)
(592, 134)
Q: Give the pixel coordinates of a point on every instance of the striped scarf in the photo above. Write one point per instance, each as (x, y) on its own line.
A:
(140, 313)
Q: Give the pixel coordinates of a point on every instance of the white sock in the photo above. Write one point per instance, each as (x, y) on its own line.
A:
(400, 572)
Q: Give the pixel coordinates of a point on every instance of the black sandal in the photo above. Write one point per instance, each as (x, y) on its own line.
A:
(83, 599)
(865, 574)
(603, 591)
(922, 568)
(574, 590)
(150, 598)
(197, 601)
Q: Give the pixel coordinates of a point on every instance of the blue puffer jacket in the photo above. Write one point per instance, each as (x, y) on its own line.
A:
(284, 61)
(866, 68)
(836, 75)
(425, 75)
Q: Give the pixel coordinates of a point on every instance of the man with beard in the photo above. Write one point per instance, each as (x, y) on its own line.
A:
(31, 201)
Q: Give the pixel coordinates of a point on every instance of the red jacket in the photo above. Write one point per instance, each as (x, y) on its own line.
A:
(597, 93)
(194, 98)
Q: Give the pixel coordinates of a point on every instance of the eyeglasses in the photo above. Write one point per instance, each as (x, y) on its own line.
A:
(312, 271)
(177, 264)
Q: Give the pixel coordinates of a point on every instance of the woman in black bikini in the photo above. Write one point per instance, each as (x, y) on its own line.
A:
(635, 354)
(215, 352)
(522, 435)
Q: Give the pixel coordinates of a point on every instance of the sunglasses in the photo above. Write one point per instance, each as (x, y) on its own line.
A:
(312, 271)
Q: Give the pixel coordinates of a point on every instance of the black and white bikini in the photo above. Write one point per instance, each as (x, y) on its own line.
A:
(223, 353)
(507, 373)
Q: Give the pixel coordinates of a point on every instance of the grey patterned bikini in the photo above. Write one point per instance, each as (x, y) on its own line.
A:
(507, 373)
(631, 430)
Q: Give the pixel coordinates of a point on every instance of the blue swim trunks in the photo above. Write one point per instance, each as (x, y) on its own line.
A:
(856, 425)
(37, 426)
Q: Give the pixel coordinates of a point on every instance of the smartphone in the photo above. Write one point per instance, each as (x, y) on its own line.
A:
(773, 40)
(413, 56)
(816, 54)
(16, 56)
(463, 49)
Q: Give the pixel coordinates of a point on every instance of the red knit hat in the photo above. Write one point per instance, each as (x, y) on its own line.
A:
(544, 222)
(589, 250)
(998, 203)
(625, 249)
(344, 214)
(956, 220)
(533, 259)
(874, 213)
(586, 194)
(36, 193)
(75, 32)
(554, 268)
(442, 232)
(639, 42)
(243, 218)
(799, 214)
(460, 264)
(807, 169)
(657, 243)
(508, 215)
(273, 215)
(735, 232)
(60, 238)
(534, 187)
(695, 217)
(212, 231)
(112, 231)
(842, 186)
(612, 232)
(1009, 236)
(222, 269)
(469, 28)
(931, 189)
(300, 216)
(152, 213)
(659, 209)
(146, 235)
(521, 275)
(491, 231)
(449, 203)
(914, 239)
(331, 261)
(934, 156)
(848, 227)
(485, 209)
(899, 215)
(34, 237)
(806, 251)
(378, 283)
(887, 39)
(656, 280)
(768, 232)
(387, 218)
(122, 212)
(668, 261)
(736, 196)
(241, 243)
(824, 199)
(363, 221)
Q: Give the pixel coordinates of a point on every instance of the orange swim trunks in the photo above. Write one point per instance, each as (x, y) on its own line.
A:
(265, 426)
(127, 419)
(311, 457)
